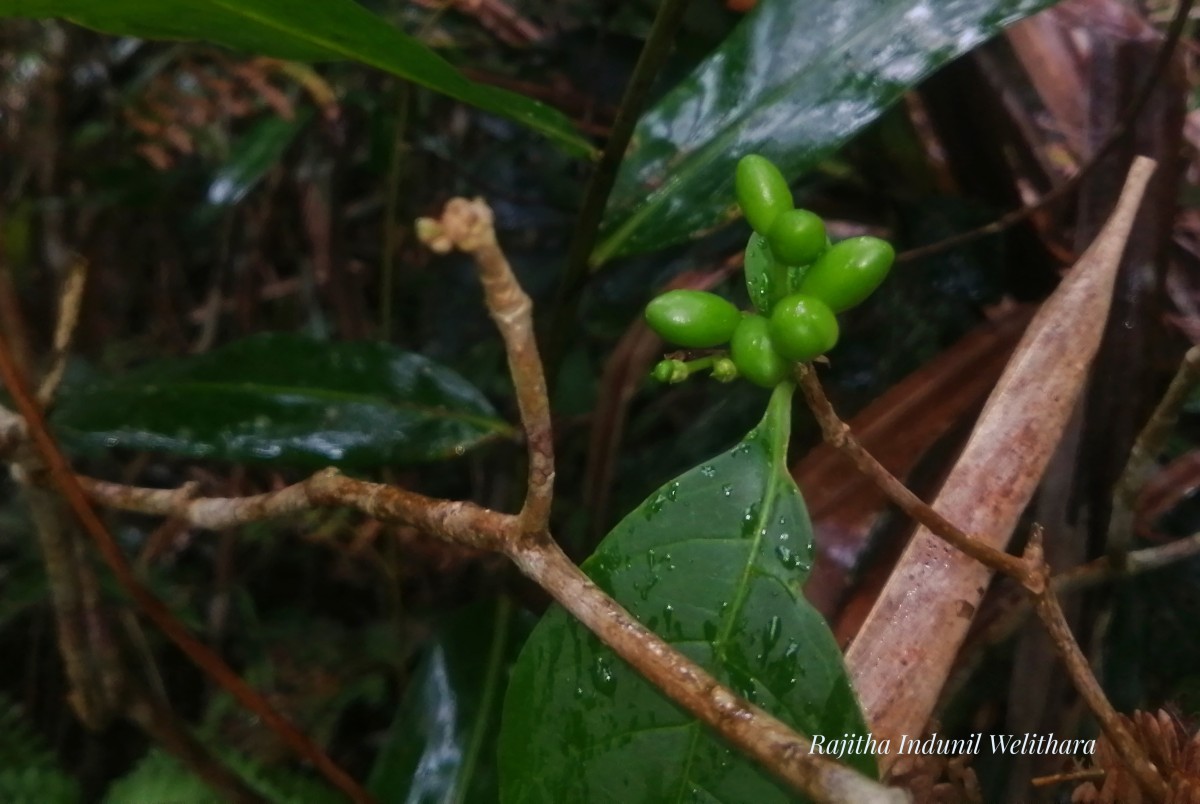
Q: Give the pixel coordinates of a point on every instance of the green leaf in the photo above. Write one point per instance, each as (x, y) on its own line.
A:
(792, 82)
(285, 399)
(713, 562)
(160, 777)
(442, 743)
(302, 30)
(766, 279)
(254, 153)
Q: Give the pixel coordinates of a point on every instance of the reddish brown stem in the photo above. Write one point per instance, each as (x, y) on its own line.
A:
(212, 664)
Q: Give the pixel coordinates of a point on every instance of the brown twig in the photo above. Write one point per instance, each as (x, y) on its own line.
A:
(837, 434)
(1115, 135)
(1030, 571)
(1126, 745)
(1064, 778)
(758, 734)
(764, 738)
(68, 485)
(754, 731)
(467, 226)
(935, 585)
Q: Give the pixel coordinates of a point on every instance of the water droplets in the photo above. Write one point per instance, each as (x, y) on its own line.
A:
(772, 633)
(750, 520)
(788, 557)
(266, 450)
(603, 676)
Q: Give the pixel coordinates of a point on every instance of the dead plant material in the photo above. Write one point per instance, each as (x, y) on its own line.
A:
(897, 671)
(1171, 749)
(938, 779)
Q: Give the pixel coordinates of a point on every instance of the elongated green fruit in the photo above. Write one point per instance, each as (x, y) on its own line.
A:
(692, 318)
(762, 192)
(803, 327)
(848, 272)
(797, 237)
(754, 353)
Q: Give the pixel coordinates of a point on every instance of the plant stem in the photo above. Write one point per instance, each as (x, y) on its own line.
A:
(600, 184)
(204, 657)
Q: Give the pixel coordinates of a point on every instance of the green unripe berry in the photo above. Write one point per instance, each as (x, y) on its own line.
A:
(692, 318)
(848, 272)
(803, 327)
(754, 353)
(797, 237)
(762, 192)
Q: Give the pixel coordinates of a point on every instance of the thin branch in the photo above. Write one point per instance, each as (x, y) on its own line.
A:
(756, 733)
(1146, 448)
(1030, 571)
(759, 734)
(600, 184)
(1126, 745)
(204, 657)
(1118, 132)
(837, 434)
(468, 226)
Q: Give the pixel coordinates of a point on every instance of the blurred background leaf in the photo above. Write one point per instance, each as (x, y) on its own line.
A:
(441, 747)
(331, 29)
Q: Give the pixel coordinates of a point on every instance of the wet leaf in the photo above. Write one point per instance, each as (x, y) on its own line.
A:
(713, 562)
(285, 399)
(307, 31)
(442, 744)
(764, 280)
(792, 82)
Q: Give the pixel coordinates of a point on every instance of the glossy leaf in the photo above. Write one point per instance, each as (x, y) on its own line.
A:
(302, 30)
(442, 743)
(766, 279)
(792, 82)
(286, 399)
(713, 562)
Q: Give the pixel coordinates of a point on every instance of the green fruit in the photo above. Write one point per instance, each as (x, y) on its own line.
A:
(848, 272)
(762, 192)
(803, 327)
(754, 354)
(797, 237)
(692, 318)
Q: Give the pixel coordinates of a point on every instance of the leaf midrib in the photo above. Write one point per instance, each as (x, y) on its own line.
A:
(774, 431)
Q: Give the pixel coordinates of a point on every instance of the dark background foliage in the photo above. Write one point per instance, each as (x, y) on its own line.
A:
(218, 195)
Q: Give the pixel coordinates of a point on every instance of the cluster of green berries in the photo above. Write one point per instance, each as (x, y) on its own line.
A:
(797, 280)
